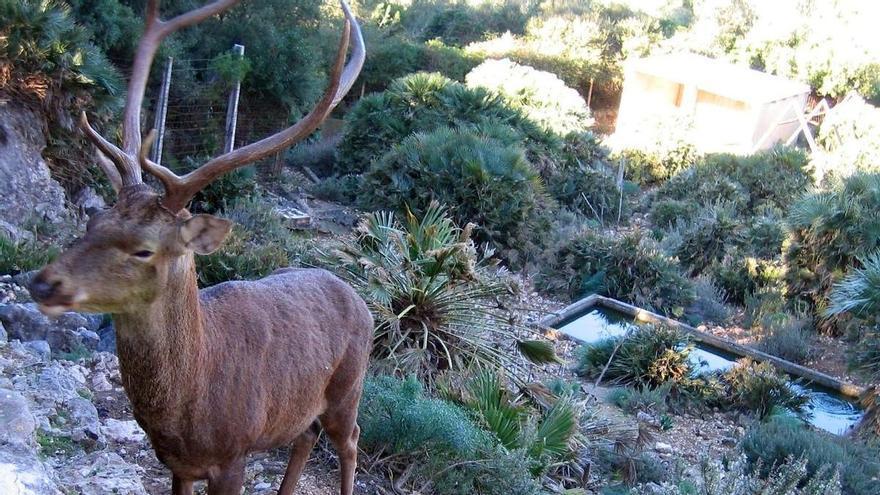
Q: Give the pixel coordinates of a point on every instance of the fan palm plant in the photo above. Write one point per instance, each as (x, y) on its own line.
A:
(432, 295)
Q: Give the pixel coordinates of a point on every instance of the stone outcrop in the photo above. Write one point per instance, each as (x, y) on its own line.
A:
(27, 191)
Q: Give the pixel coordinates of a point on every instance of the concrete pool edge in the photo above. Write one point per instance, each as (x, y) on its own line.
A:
(553, 320)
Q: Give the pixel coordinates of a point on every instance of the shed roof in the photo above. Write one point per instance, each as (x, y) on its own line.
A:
(719, 77)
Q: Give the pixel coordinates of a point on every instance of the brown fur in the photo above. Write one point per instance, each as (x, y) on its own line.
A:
(216, 374)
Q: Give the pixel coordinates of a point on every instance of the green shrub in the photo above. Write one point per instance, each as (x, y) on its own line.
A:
(430, 293)
(395, 416)
(425, 102)
(760, 388)
(630, 267)
(859, 291)
(709, 303)
(540, 95)
(644, 399)
(790, 340)
(666, 213)
(337, 189)
(780, 438)
(447, 448)
(23, 256)
(659, 152)
(865, 356)
(829, 232)
(647, 356)
(772, 178)
(258, 245)
(706, 238)
(486, 181)
(45, 53)
(583, 181)
(728, 478)
(764, 234)
(742, 277)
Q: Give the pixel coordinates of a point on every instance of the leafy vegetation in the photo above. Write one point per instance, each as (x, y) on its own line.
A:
(760, 388)
(540, 95)
(430, 292)
(647, 356)
(829, 232)
(24, 255)
(780, 438)
(485, 179)
(628, 267)
(259, 244)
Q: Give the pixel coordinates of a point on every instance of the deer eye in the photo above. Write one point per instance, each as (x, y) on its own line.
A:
(143, 254)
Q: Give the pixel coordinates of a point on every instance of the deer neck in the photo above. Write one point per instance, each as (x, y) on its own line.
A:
(161, 345)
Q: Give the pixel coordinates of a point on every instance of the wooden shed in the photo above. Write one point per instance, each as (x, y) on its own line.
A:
(732, 108)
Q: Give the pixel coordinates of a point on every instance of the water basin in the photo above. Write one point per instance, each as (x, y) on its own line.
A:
(829, 410)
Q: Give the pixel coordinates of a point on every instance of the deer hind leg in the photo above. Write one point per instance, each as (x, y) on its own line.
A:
(227, 481)
(299, 454)
(343, 431)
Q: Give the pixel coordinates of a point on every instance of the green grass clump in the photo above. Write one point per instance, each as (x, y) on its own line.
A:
(760, 388)
(24, 256)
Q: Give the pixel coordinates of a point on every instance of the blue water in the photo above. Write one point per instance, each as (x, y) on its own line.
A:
(828, 410)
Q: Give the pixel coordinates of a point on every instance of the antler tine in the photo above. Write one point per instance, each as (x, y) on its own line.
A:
(125, 158)
(341, 80)
(170, 181)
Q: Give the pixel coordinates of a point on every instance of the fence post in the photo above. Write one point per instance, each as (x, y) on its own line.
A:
(232, 108)
(162, 112)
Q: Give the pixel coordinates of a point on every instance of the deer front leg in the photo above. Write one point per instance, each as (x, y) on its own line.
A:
(228, 481)
(299, 454)
(181, 487)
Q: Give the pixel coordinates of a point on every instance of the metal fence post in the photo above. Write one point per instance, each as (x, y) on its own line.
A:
(232, 108)
(162, 112)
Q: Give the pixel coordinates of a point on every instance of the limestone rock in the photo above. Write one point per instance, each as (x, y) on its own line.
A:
(17, 424)
(27, 190)
(102, 473)
(123, 431)
(22, 473)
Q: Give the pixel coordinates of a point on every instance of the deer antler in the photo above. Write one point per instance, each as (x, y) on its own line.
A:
(133, 156)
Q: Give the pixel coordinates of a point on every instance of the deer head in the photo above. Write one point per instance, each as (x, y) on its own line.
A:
(129, 252)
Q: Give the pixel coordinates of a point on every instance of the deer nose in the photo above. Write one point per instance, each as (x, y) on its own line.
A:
(42, 289)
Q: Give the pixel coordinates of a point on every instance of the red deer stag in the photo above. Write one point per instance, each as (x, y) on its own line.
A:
(239, 367)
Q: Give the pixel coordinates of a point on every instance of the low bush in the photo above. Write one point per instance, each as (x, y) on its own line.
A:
(648, 356)
(425, 102)
(709, 303)
(705, 239)
(791, 477)
(742, 277)
(658, 153)
(429, 291)
(485, 180)
(780, 438)
(764, 234)
(772, 178)
(630, 267)
(640, 399)
(583, 181)
(447, 448)
(760, 388)
(829, 232)
(666, 213)
(397, 417)
(258, 245)
(23, 256)
(540, 95)
(791, 340)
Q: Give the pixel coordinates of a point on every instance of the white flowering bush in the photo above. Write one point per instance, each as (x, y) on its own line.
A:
(542, 96)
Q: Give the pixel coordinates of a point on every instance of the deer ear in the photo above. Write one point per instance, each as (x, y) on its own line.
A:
(204, 233)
